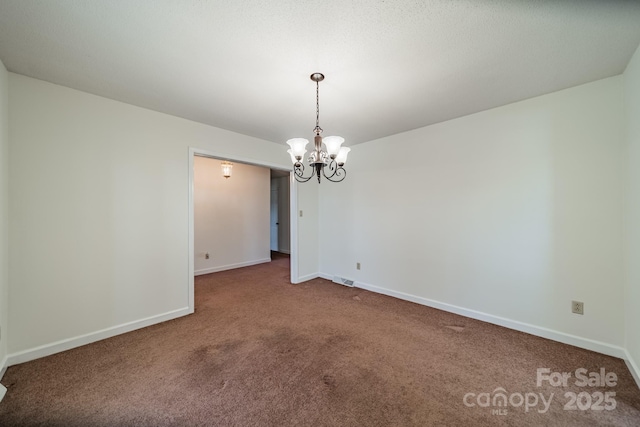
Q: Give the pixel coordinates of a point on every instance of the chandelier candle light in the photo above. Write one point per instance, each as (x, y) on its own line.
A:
(331, 158)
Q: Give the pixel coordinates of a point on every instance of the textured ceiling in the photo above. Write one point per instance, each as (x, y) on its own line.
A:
(390, 66)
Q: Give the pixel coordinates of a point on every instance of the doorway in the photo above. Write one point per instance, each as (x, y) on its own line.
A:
(293, 224)
(280, 212)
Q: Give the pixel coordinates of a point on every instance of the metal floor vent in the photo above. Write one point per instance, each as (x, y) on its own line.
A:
(342, 281)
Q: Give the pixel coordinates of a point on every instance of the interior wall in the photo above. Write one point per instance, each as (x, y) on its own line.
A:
(4, 213)
(512, 212)
(632, 290)
(231, 216)
(99, 212)
(306, 209)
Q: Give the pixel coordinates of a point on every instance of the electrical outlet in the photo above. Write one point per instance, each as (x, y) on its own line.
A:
(577, 307)
(357, 266)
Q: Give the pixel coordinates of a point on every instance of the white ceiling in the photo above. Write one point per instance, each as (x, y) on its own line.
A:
(390, 66)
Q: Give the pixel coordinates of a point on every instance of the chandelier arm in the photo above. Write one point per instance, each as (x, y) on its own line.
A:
(338, 173)
(335, 169)
(298, 173)
(332, 167)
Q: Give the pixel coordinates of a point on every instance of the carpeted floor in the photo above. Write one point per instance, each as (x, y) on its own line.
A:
(262, 352)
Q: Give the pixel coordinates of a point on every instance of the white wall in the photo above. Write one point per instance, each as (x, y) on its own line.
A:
(4, 212)
(512, 212)
(99, 213)
(308, 226)
(632, 290)
(231, 216)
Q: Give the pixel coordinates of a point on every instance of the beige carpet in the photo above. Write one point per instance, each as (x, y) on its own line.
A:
(262, 352)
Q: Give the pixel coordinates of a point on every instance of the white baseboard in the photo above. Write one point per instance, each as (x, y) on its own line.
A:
(230, 266)
(325, 276)
(306, 278)
(69, 343)
(586, 343)
(633, 367)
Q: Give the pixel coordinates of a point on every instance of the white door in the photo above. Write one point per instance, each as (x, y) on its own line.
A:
(283, 215)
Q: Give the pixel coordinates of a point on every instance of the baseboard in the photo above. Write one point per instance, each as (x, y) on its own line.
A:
(230, 266)
(306, 278)
(633, 367)
(69, 343)
(586, 343)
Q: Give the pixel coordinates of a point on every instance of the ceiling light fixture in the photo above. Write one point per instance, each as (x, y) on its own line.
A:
(332, 157)
(226, 169)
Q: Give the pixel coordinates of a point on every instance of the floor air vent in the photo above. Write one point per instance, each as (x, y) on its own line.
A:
(343, 281)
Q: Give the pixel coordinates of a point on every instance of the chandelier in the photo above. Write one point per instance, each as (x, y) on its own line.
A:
(327, 161)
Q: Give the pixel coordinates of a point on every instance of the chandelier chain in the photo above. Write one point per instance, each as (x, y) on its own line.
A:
(317, 104)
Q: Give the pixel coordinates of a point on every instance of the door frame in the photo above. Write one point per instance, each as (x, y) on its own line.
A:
(293, 221)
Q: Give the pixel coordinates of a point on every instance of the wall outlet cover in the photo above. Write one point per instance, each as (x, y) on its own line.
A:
(577, 307)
